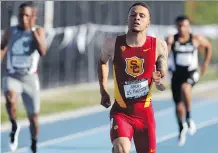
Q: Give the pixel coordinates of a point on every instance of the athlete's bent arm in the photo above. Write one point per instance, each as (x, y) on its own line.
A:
(169, 41)
(107, 52)
(161, 63)
(39, 35)
(205, 44)
(4, 44)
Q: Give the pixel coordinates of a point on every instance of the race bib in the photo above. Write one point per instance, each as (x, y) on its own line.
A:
(136, 89)
(21, 61)
(184, 59)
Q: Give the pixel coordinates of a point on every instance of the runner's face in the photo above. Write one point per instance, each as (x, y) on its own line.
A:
(25, 15)
(138, 19)
(183, 27)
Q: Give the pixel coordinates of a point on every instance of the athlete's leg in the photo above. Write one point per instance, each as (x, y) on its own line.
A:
(180, 109)
(121, 134)
(11, 99)
(180, 114)
(191, 80)
(12, 87)
(34, 130)
(32, 113)
(145, 136)
(31, 98)
(186, 97)
(121, 145)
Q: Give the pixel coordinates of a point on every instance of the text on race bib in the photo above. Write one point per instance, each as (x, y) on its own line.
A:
(21, 61)
(136, 89)
(184, 59)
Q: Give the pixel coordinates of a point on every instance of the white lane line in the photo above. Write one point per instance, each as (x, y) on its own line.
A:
(175, 134)
(95, 109)
(69, 137)
(199, 126)
(105, 128)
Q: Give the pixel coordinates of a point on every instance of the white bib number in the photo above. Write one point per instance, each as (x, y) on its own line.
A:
(136, 90)
(21, 61)
(184, 59)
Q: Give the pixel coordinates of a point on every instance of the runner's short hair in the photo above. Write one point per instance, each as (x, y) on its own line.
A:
(181, 18)
(27, 4)
(140, 4)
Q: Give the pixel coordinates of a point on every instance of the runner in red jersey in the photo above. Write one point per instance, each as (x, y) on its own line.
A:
(135, 56)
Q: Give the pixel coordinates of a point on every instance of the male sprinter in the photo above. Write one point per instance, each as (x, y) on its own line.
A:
(23, 44)
(184, 54)
(134, 56)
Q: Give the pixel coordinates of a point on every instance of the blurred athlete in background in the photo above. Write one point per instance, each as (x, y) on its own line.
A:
(23, 44)
(184, 47)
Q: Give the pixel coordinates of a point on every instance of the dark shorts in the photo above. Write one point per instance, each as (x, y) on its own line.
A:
(178, 79)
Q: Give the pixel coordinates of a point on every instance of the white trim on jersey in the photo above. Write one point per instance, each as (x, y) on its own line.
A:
(35, 59)
(194, 64)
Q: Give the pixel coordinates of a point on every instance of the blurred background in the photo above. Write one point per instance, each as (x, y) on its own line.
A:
(75, 32)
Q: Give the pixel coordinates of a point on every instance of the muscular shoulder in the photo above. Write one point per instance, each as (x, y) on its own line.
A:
(200, 41)
(161, 55)
(196, 37)
(110, 42)
(108, 49)
(161, 47)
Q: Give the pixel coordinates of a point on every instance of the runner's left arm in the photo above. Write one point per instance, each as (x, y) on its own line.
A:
(40, 40)
(161, 64)
(205, 44)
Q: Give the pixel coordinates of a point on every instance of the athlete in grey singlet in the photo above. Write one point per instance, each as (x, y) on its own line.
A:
(23, 45)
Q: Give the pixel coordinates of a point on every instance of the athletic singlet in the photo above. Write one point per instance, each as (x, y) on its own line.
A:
(133, 67)
(184, 56)
(22, 56)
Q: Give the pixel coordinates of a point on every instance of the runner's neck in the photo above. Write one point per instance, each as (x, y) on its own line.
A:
(134, 39)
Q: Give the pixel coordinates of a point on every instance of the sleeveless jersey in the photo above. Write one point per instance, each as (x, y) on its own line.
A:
(133, 67)
(184, 56)
(22, 56)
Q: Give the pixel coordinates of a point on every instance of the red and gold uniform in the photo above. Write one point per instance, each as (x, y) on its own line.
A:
(132, 113)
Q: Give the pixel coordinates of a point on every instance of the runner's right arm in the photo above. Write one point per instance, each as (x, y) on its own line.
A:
(4, 43)
(169, 42)
(107, 53)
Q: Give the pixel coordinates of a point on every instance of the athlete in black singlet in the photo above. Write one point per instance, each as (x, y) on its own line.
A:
(184, 47)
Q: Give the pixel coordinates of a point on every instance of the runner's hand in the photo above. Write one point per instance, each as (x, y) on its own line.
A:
(32, 21)
(105, 99)
(156, 76)
(203, 69)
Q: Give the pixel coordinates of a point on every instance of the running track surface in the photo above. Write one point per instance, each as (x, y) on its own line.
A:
(90, 134)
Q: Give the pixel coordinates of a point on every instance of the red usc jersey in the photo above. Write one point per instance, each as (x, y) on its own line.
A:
(133, 67)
